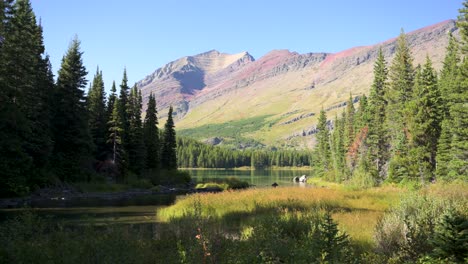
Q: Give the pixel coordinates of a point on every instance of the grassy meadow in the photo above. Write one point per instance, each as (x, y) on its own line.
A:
(356, 211)
(322, 223)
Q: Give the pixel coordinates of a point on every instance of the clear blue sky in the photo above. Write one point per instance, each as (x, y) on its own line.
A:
(144, 35)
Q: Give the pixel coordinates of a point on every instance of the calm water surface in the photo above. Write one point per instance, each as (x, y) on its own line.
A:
(133, 212)
(259, 178)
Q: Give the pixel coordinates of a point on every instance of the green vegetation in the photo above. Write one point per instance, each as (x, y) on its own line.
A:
(232, 130)
(285, 225)
(412, 129)
(54, 132)
(193, 154)
(230, 183)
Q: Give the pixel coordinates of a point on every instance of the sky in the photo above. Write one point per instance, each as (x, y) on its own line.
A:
(143, 35)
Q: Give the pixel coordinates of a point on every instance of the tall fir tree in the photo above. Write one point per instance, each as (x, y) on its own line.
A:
(457, 166)
(73, 143)
(97, 115)
(323, 145)
(26, 86)
(136, 147)
(124, 113)
(398, 96)
(427, 112)
(377, 137)
(169, 144)
(114, 140)
(151, 135)
(111, 101)
(338, 149)
(15, 163)
(349, 123)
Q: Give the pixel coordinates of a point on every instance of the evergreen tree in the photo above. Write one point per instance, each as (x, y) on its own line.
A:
(398, 96)
(376, 139)
(26, 85)
(451, 237)
(111, 101)
(363, 114)
(448, 74)
(73, 143)
(115, 141)
(338, 150)
(323, 145)
(458, 112)
(427, 112)
(97, 115)
(124, 113)
(151, 135)
(168, 152)
(349, 124)
(457, 166)
(136, 148)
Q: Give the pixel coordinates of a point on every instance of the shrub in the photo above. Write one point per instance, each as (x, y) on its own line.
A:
(405, 233)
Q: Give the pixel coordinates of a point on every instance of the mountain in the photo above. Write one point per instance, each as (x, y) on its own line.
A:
(274, 100)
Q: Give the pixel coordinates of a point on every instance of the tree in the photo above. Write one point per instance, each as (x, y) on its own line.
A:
(168, 152)
(338, 150)
(111, 101)
(97, 115)
(136, 148)
(323, 144)
(73, 143)
(26, 84)
(349, 123)
(399, 94)
(376, 139)
(427, 112)
(151, 135)
(115, 141)
(124, 113)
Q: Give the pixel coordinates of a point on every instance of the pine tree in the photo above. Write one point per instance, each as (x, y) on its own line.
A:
(151, 135)
(124, 114)
(448, 74)
(376, 139)
(457, 166)
(427, 112)
(458, 111)
(323, 145)
(97, 115)
(398, 96)
(363, 114)
(26, 86)
(115, 141)
(73, 143)
(349, 123)
(111, 101)
(136, 148)
(338, 150)
(168, 152)
(451, 237)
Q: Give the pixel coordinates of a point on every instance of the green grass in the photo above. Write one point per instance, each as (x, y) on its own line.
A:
(282, 225)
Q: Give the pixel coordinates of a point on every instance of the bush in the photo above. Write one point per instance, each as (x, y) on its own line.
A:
(405, 233)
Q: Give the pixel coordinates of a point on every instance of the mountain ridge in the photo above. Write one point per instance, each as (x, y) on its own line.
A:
(216, 88)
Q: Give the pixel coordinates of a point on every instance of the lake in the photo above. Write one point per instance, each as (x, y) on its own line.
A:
(141, 210)
(258, 178)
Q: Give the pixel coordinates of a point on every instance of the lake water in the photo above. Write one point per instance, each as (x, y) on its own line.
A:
(140, 210)
(258, 178)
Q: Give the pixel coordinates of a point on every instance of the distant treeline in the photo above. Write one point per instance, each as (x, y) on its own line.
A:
(193, 154)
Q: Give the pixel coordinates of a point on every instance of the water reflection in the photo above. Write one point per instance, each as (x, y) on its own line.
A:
(259, 178)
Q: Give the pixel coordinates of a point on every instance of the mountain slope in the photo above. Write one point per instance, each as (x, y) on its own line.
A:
(281, 93)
